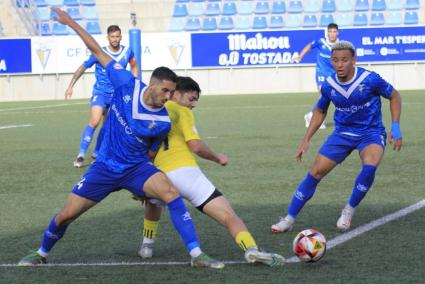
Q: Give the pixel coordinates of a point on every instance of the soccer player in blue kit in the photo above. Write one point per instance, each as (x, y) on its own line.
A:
(324, 66)
(356, 94)
(103, 90)
(138, 122)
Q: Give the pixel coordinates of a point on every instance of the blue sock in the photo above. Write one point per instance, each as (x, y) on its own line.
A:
(182, 222)
(86, 139)
(52, 234)
(303, 193)
(98, 142)
(362, 185)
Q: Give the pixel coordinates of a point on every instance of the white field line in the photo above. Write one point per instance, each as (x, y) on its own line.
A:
(37, 107)
(15, 126)
(330, 244)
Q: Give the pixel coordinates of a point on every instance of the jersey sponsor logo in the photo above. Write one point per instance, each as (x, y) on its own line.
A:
(121, 120)
(353, 109)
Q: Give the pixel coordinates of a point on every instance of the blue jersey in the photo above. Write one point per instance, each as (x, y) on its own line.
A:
(131, 127)
(323, 59)
(357, 102)
(103, 84)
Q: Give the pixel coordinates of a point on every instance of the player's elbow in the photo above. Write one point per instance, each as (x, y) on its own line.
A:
(195, 146)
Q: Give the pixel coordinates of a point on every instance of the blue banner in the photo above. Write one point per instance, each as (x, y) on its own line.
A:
(278, 47)
(15, 56)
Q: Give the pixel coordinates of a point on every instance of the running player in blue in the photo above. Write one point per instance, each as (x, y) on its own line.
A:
(323, 62)
(356, 94)
(103, 89)
(138, 121)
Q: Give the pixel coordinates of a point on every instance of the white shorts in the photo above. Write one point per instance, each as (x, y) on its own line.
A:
(192, 184)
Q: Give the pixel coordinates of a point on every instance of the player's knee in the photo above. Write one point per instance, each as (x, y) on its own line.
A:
(65, 217)
(169, 193)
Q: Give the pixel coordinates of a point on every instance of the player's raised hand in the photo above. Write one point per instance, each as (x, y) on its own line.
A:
(301, 150)
(395, 142)
(61, 16)
(223, 159)
(68, 93)
(296, 59)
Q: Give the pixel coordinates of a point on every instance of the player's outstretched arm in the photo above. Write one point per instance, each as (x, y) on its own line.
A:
(395, 136)
(202, 150)
(80, 71)
(305, 50)
(318, 117)
(63, 18)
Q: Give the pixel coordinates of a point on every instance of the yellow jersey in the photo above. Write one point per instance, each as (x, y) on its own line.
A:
(174, 152)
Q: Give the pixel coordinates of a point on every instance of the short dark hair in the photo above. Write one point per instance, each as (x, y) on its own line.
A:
(113, 28)
(187, 84)
(344, 45)
(164, 73)
(333, 26)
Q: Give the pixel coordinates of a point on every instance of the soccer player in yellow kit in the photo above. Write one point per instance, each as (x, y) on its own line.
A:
(176, 158)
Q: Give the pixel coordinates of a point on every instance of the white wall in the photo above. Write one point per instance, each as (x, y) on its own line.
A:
(409, 76)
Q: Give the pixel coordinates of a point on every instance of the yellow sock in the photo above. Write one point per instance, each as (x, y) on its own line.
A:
(150, 228)
(245, 240)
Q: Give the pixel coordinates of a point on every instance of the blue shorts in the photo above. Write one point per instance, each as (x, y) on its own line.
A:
(98, 182)
(338, 146)
(101, 99)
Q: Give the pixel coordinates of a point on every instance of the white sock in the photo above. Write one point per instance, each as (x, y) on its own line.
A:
(42, 253)
(148, 240)
(195, 252)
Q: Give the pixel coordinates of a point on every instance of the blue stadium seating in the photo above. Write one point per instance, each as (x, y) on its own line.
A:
(213, 9)
(328, 6)
(393, 18)
(293, 21)
(377, 19)
(180, 10)
(42, 13)
(262, 7)
(411, 17)
(394, 5)
(40, 3)
(378, 5)
(311, 6)
(88, 3)
(362, 5)
(74, 12)
(89, 13)
(345, 6)
(71, 3)
(259, 22)
(344, 19)
(59, 29)
(44, 29)
(177, 24)
(360, 19)
(310, 21)
(245, 8)
(412, 4)
(278, 7)
(198, 0)
(326, 19)
(209, 24)
(229, 8)
(226, 23)
(295, 7)
(193, 24)
(55, 3)
(182, 1)
(196, 9)
(242, 22)
(93, 27)
(276, 22)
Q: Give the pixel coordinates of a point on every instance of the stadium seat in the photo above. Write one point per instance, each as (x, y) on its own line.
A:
(74, 12)
(344, 19)
(22, 3)
(213, 9)
(226, 23)
(310, 21)
(276, 22)
(89, 13)
(293, 21)
(214, 0)
(193, 24)
(57, 3)
(360, 19)
(394, 5)
(196, 9)
(412, 4)
(411, 17)
(42, 13)
(393, 18)
(209, 24)
(259, 22)
(262, 7)
(377, 19)
(93, 27)
(177, 24)
(180, 10)
(88, 3)
(278, 7)
(326, 19)
(59, 29)
(198, 0)
(345, 5)
(229, 8)
(361, 5)
(40, 3)
(71, 3)
(44, 29)
(245, 8)
(328, 6)
(242, 22)
(295, 7)
(182, 1)
(378, 5)
(311, 6)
